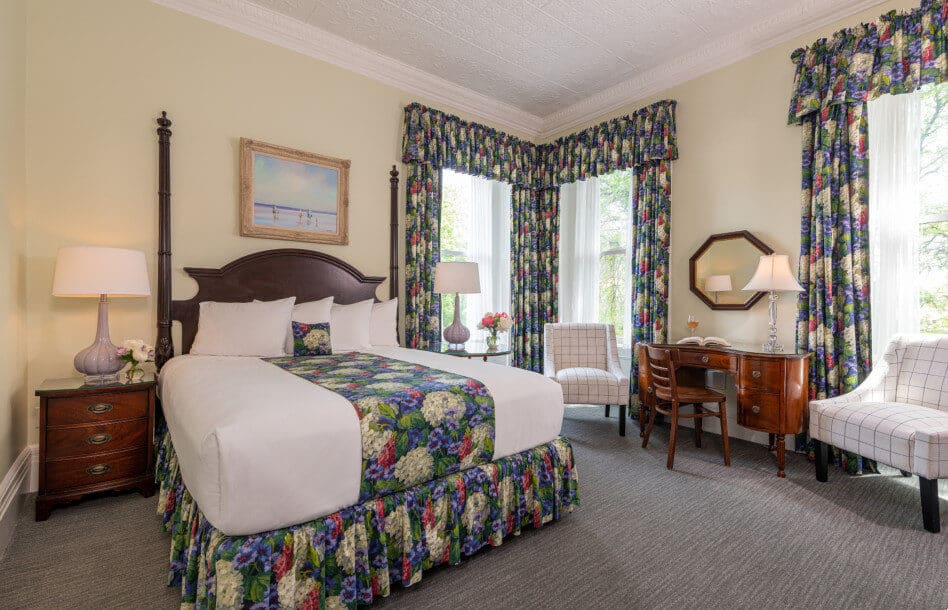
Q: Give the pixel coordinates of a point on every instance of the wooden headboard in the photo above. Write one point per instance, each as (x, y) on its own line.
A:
(267, 275)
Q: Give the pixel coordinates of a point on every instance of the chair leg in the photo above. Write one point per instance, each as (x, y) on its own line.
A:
(698, 409)
(722, 409)
(607, 410)
(621, 420)
(672, 434)
(643, 415)
(648, 429)
(822, 460)
(929, 492)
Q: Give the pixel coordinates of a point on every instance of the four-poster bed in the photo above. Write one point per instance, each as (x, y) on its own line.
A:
(259, 464)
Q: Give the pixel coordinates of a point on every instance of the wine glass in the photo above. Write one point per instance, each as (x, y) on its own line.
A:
(692, 325)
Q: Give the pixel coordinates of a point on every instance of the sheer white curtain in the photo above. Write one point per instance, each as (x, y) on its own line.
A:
(894, 172)
(579, 251)
(489, 247)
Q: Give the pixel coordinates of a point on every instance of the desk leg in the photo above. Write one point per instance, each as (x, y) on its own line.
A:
(771, 441)
(781, 454)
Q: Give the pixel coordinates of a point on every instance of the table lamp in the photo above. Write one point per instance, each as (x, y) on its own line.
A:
(773, 274)
(94, 271)
(716, 284)
(458, 278)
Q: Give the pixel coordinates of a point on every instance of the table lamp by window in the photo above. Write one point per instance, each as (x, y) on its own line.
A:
(93, 271)
(716, 284)
(773, 274)
(458, 278)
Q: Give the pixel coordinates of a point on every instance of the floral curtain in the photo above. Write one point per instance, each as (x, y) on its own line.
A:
(534, 270)
(835, 78)
(650, 244)
(422, 252)
(433, 140)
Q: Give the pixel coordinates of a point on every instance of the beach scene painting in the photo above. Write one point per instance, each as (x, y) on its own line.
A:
(293, 194)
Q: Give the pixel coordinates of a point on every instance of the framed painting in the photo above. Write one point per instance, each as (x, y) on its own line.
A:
(292, 194)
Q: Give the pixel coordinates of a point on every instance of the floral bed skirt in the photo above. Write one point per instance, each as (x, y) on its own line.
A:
(353, 556)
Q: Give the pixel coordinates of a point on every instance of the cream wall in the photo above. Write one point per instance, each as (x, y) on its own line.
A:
(100, 71)
(13, 379)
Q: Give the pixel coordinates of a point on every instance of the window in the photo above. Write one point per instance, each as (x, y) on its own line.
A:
(908, 214)
(595, 253)
(475, 226)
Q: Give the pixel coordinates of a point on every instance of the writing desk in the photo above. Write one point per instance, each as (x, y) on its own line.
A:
(772, 389)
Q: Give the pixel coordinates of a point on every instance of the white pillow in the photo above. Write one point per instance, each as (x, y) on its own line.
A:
(349, 327)
(243, 329)
(383, 327)
(311, 312)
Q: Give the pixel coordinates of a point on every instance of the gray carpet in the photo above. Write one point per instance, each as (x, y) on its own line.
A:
(700, 536)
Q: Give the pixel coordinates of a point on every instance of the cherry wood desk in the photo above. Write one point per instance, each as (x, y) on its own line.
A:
(772, 389)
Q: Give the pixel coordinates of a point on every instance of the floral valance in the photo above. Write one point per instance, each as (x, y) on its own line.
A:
(444, 140)
(633, 140)
(898, 53)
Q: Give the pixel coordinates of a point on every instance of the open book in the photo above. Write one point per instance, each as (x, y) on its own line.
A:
(704, 341)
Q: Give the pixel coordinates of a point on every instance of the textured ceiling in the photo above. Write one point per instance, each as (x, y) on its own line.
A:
(544, 55)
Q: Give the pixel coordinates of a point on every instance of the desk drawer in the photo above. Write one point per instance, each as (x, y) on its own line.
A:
(761, 374)
(759, 410)
(94, 469)
(96, 408)
(89, 439)
(705, 359)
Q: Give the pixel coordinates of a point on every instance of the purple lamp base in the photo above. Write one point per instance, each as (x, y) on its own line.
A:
(100, 363)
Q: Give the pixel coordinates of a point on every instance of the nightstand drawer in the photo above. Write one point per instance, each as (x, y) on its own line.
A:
(761, 374)
(759, 410)
(88, 439)
(94, 469)
(96, 408)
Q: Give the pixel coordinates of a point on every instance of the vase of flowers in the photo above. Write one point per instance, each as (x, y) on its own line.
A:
(136, 352)
(495, 323)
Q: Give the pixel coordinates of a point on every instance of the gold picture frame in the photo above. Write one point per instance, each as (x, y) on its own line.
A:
(292, 194)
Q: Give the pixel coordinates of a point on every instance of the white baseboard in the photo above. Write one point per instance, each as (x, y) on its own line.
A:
(13, 489)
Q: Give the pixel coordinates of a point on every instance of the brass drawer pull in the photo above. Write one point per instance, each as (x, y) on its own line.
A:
(704, 359)
(755, 374)
(755, 409)
(100, 407)
(98, 469)
(99, 439)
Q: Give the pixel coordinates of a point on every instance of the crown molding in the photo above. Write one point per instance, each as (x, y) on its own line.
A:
(758, 37)
(282, 30)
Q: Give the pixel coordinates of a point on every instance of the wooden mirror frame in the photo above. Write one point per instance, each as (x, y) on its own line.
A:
(692, 263)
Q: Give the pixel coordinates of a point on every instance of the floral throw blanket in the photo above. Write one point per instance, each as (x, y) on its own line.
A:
(417, 423)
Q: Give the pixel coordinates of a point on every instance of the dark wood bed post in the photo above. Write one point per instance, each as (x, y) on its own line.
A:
(164, 348)
(393, 235)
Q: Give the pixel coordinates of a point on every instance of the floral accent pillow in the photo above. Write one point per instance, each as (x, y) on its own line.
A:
(311, 339)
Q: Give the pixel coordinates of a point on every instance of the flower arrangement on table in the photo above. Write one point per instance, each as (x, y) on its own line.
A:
(136, 352)
(495, 323)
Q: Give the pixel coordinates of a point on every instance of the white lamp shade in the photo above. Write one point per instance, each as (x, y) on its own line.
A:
(718, 283)
(773, 273)
(89, 271)
(459, 277)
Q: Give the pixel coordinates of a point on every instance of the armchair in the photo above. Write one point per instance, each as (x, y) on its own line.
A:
(897, 416)
(584, 359)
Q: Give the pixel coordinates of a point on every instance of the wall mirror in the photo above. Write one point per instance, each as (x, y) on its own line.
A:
(722, 266)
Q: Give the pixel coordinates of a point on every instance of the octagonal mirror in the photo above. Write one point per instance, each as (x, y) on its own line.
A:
(722, 266)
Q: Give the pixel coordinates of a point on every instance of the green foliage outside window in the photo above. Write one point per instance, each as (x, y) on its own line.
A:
(933, 227)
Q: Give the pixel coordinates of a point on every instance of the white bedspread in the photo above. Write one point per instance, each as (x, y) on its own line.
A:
(260, 448)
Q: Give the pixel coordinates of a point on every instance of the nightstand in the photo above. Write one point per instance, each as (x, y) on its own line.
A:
(93, 439)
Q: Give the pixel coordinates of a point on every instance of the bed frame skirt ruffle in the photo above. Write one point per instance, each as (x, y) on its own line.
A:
(353, 556)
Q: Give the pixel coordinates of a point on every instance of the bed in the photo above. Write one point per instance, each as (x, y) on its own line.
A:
(272, 485)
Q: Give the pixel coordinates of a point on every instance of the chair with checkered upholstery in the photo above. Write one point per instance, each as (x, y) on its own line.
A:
(897, 416)
(584, 359)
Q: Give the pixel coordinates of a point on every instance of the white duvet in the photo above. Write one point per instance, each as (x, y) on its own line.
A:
(260, 448)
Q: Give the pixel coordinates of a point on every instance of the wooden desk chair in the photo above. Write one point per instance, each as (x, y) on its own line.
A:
(669, 396)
